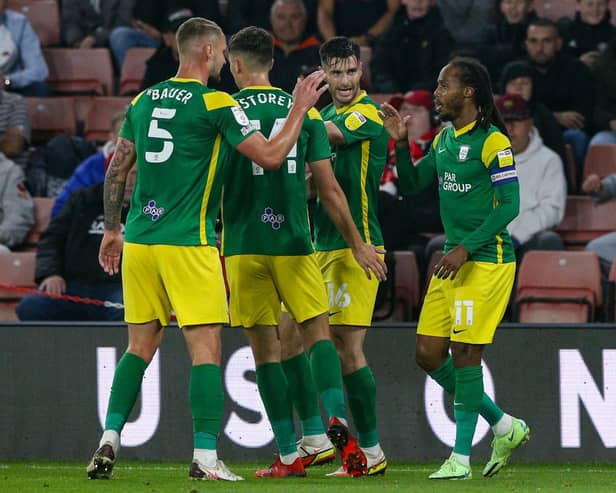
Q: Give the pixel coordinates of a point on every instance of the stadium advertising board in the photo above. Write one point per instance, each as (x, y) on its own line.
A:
(55, 380)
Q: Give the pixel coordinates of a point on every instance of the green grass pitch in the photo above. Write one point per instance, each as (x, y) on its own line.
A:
(163, 477)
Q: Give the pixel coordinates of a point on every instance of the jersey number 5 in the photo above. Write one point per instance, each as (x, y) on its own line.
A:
(155, 132)
(291, 157)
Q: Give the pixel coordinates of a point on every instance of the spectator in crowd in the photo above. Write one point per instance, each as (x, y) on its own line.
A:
(517, 78)
(87, 24)
(16, 205)
(165, 61)
(563, 84)
(295, 52)
(361, 20)
(543, 188)
(67, 262)
(604, 246)
(22, 65)
(244, 13)
(404, 219)
(466, 19)
(92, 170)
(143, 28)
(604, 72)
(15, 127)
(587, 34)
(412, 51)
(504, 39)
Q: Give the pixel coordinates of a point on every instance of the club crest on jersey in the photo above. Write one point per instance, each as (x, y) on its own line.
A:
(274, 219)
(463, 153)
(354, 121)
(240, 116)
(150, 209)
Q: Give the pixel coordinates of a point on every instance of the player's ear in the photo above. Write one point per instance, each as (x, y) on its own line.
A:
(469, 92)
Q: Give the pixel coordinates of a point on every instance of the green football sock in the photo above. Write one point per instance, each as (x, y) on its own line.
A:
(327, 373)
(304, 394)
(445, 377)
(361, 391)
(466, 405)
(274, 390)
(124, 390)
(206, 404)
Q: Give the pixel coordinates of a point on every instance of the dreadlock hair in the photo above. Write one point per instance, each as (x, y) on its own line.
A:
(338, 47)
(473, 74)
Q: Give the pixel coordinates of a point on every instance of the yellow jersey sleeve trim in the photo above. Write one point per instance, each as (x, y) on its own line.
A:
(367, 110)
(437, 137)
(313, 114)
(136, 98)
(494, 143)
(218, 99)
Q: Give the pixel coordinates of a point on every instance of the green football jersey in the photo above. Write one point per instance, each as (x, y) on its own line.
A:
(178, 127)
(265, 212)
(358, 166)
(478, 188)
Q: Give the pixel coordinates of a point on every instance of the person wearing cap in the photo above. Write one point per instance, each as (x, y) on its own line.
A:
(517, 78)
(403, 220)
(412, 50)
(543, 188)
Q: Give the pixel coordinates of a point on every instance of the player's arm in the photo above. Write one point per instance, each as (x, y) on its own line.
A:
(335, 203)
(115, 180)
(269, 154)
(334, 134)
(412, 179)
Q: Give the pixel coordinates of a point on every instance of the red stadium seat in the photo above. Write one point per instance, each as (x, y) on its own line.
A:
(585, 221)
(101, 112)
(133, 70)
(406, 290)
(600, 160)
(16, 269)
(558, 287)
(83, 71)
(52, 116)
(44, 17)
(42, 217)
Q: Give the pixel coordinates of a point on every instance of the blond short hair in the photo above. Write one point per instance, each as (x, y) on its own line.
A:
(196, 28)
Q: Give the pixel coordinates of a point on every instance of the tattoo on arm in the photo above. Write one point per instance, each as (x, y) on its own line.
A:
(115, 179)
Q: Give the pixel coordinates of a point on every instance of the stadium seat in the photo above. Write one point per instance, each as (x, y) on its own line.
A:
(42, 216)
(43, 15)
(365, 56)
(558, 287)
(585, 220)
(83, 71)
(406, 289)
(600, 160)
(52, 116)
(555, 9)
(133, 70)
(98, 118)
(16, 269)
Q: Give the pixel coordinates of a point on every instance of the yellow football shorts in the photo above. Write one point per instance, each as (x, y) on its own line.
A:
(187, 279)
(259, 283)
(351, 294)
(469, 308)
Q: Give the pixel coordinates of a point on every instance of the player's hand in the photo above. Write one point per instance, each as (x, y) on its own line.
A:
(53, 285)
(450, 264)
(592, 184)
(110, 252)
(367, 256)
(395, 125)
(307, 91)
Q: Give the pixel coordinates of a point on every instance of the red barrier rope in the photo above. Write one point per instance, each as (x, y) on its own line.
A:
(66, 297)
